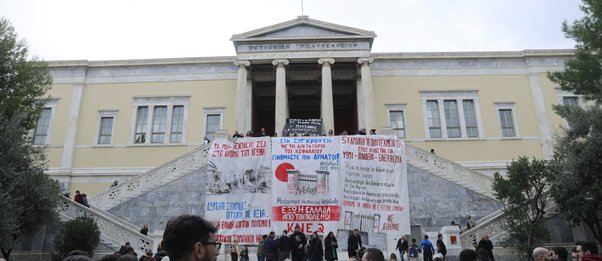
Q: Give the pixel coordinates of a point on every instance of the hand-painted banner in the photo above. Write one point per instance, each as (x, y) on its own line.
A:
(375, 186)
(239, 185)
(306, 183)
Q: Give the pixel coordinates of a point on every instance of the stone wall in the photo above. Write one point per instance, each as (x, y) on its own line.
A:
(185, 195)
(435, 202)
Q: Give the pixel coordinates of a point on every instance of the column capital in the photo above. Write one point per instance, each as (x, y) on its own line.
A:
(326, 61)
(281, 61)
(363, 60)
(243, 63)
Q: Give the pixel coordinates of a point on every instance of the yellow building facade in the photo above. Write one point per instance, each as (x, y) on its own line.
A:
(113, 120)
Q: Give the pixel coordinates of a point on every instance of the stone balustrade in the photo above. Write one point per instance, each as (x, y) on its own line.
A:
(450, 170)
(152, 179)
(113, 230)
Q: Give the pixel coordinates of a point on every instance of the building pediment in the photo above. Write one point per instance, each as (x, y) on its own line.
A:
(303, 38)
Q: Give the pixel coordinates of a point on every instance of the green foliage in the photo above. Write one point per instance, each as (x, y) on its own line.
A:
(578, 188)
(523, 191)
(22, 81)
(78, 234)
(28, 197)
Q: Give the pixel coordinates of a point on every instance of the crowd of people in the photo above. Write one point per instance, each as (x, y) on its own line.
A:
(192, 238)
(287, 133)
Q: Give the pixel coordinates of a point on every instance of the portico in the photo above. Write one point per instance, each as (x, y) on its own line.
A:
(304, 69)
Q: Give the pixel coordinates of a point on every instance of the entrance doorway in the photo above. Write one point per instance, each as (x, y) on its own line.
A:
(304, 95)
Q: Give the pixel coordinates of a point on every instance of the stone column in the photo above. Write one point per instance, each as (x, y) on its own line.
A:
(281, 96)
(326, 108)
(241, 95)
(366, 101)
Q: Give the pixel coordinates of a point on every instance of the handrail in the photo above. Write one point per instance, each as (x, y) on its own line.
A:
(452, 171)
(111, 227)
(141, 183)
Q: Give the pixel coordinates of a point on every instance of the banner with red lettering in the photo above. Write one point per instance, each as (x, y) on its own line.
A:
(375, 185)
(239, 184)
(306, 184)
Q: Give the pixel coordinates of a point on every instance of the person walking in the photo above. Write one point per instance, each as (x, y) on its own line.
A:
(261, 248)
(427, 249)
(284, 246)
(234, 251)
(441, 249)
(487, 246)
(402, 246)
(271, 247)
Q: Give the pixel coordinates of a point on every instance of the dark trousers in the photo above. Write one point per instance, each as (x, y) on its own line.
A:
(234, 256)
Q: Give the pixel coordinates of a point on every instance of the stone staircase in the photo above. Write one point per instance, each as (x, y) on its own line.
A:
(492, 225)
(114, 231)
(152, 179)
(450, 171)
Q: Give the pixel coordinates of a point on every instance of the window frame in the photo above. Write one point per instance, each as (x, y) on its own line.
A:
(151, 103)
(459, 97)
(392, 107)
(105, 114)
(49, 104)
(507, 106)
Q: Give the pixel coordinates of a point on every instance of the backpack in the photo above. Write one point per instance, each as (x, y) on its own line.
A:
(413, 251)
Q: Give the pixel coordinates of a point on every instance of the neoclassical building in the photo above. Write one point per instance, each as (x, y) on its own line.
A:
(126, 119)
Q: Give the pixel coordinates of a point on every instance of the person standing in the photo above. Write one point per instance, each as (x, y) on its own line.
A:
(316, 251)
(330, 247)
(78, 197)
(413, 251)
(144, 230)
(469, 223)
(441, 249)
(487, 246)
(354, 243)
(191, 238)
(427, 249)
(261, 248)
(284, 246)
(271, 247)
(234, 251)
(402, 246)
(298, 242)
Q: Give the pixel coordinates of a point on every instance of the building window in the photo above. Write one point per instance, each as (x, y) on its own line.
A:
(141, 118)
(470, 118)
(159, 124)
(452, 120)
(160, 119)
(177, 124)
(434, 121)
(106, 130)
(507, 123)
(213, 125)
(507, 119)
(570, 101)
(41, 131)
(460, 110)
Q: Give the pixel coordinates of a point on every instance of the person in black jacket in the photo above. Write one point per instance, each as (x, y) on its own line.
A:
(284, 246)
(298, 242)
(487, 246)
(330, 247)
(441, 249)
(316, 251)
(402, 246)
(270, 247)
(354, 243)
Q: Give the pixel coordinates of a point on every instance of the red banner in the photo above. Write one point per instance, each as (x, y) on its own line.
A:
(306, 213)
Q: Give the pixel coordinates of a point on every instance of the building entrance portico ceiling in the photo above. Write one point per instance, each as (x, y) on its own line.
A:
(300, 56)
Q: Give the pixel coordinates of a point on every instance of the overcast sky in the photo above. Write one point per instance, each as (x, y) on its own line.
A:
(135, 29)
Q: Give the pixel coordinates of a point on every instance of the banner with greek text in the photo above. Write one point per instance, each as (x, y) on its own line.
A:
(238, 187)
(375, 185)
(306, 184)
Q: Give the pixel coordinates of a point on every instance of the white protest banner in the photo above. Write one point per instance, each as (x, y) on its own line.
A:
(375, 185)
(239, 185)
(306, 184)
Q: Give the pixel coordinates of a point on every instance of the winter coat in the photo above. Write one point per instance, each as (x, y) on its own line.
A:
(298, 242)
(330, 248)
(316, 251)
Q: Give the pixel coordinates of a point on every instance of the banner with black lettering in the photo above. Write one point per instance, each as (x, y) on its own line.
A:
(375, 185)
(239, 184)
(306, 184)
